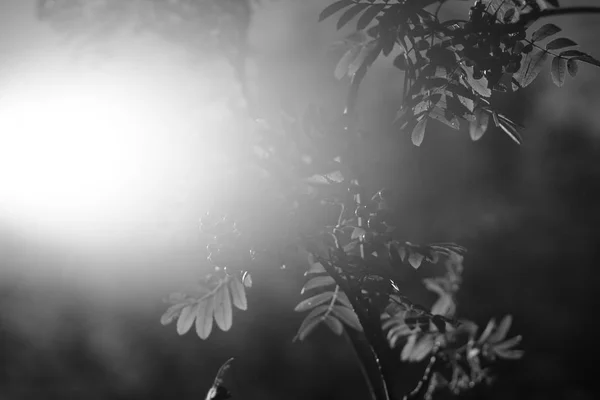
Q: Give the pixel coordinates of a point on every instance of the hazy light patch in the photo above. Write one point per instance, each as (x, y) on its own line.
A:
(71, 151)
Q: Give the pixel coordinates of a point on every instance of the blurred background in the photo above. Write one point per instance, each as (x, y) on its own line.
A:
(92, 240)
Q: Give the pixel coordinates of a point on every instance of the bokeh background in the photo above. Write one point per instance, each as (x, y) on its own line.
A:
(81, 294)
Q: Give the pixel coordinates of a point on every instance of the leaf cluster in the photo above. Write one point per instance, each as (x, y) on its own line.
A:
(451, 68)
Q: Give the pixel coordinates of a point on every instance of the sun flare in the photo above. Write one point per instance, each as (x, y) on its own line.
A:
(71, 151)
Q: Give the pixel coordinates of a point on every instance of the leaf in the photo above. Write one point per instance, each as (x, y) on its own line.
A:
(408, 347)
(560, 43)
(509, 354)
(311, 321)
(512, 342)
(317, 282)
(531, 67)
(204, 317)
(341, 69)
(559, 71)
(422, 348)
(511, 131)
(315, 268)
(480, 125)
(502, 330)
(418, 132)
(314, 301)
(247, 279)
(589, 59)
(487, 332)
(544, 32)
(480, 86)
(333, 8)
(369, 15)
(362, 57)
(186, 318)
(223, 311)
(171, 313)
(334, 324)
(444, 306)
(508, 15)
(348, 316)
(343, 299)
(415, 259)
(308, 325)
(238, 293)
(572, 67)
(350, 13)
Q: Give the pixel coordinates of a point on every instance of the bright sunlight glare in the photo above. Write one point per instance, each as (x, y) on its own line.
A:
(71, 151)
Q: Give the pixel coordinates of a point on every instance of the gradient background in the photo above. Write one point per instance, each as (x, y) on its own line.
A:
(80, 301)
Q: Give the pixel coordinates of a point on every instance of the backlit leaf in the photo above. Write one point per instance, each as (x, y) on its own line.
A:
(247, 279)
(422, 348)
(314, 301)
(317, 282)
(347, 316)
(479, 126)
(408, 347)
(343, 299)
(502, 330)
(362, 57)
(223, 311)
(334, 324)
(544, 32)
(341, 69)
(308, 325)
(511, 131)
(418, 132)
(238, 293)
(559, 71)
(204, 319)
(509, 354)
(171, 313)
(415, 259)
(311, 321)
(487, 332)
(333, 8)
(531, 67)
(186, 318)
